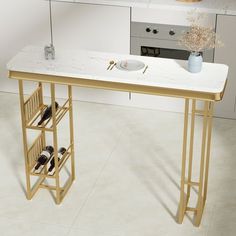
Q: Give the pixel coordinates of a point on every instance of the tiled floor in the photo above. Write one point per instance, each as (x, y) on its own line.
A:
(128, 174)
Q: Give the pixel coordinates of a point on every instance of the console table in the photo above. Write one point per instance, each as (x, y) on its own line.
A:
(165, 77)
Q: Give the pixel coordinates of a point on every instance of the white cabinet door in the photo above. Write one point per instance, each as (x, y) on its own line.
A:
(93, 27)
(226, 26)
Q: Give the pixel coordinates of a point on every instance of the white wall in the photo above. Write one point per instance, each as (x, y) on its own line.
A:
(101, 28)
(94, 27)
(21, 23)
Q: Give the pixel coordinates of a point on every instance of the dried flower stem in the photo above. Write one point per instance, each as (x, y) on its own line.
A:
(199, 38)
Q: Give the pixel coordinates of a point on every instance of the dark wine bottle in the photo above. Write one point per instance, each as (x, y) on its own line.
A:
(44, 156)
(61, 151)
(47, 113)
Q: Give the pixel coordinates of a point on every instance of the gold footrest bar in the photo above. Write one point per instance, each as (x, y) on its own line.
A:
(50, 187)
(191, 209)
(192, 183)
(201, 112)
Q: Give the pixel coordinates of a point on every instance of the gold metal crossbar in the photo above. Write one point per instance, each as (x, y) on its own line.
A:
(191, 209)
(192, 183)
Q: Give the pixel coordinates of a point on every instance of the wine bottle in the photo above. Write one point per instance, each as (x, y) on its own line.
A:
(47, 113)
(44, 156)
(61, 152)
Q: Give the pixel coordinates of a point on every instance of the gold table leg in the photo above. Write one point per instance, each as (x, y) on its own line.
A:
(182, 202)
(55, 145)
(31, 189)
(204, 161)
(71, 132)
(25, 143)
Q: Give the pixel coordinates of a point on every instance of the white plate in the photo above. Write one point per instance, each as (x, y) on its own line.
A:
(130, 65)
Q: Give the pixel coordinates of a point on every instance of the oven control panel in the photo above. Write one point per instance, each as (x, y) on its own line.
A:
(161, 40)
(158, 31)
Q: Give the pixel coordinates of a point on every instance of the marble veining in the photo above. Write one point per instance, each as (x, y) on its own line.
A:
(166, 73)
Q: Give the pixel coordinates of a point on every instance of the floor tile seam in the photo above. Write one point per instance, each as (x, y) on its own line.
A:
(95, 183)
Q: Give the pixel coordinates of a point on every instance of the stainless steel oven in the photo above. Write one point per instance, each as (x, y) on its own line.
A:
(160, 40)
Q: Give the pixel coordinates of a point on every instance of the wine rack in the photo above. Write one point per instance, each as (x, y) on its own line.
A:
(44, 171)
(32, 110)
(47, 126)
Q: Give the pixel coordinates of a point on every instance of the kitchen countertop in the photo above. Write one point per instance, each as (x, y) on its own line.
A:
(211, 6)
(90, 65)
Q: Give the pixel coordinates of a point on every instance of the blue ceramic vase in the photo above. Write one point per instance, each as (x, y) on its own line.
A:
(195, 62)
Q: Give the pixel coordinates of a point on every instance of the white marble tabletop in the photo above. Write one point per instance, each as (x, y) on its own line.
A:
(164, 73)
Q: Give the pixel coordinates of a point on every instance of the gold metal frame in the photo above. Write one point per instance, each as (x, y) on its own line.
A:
(207, 112)
(116, 86)
(31, 109)
(202, 183)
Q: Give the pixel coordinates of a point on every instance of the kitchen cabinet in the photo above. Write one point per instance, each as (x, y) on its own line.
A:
(92, 27)
(164, 21)
(225, 28)
(169, 16)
